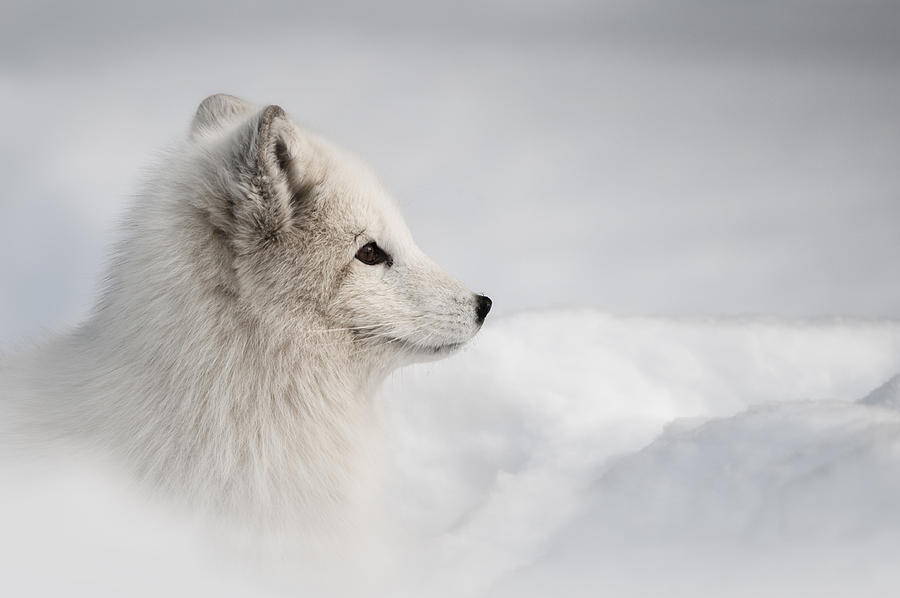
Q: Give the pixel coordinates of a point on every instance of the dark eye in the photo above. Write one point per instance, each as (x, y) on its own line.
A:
(372, 254)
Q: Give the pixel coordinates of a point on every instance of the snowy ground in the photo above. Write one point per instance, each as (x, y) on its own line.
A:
(574, 453)
(659, 158)
(569, 453)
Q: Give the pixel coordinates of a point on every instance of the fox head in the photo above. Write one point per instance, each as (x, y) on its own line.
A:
(308, 239)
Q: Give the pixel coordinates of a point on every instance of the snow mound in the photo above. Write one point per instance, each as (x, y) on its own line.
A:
(564, 445)
(782, 500)
(886, 395)
(810, 470)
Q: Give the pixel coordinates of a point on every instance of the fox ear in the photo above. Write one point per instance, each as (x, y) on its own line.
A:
(270, 168)
(218, 110)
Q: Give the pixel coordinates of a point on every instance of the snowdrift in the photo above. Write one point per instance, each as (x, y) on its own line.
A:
(576, 453)
(570, 453)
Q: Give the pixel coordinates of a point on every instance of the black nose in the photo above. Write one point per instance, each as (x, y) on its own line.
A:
(482, 307)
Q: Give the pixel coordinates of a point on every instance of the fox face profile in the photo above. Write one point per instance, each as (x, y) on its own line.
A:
(264, 285)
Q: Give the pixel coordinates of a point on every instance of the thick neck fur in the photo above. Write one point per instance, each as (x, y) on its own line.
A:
(205, 399)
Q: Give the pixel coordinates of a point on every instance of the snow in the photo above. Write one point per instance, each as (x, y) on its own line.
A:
(576, 453)
(564, 451)
(886, 395)
(72, 529)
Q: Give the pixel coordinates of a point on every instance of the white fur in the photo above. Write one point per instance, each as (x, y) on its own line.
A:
(232, 356)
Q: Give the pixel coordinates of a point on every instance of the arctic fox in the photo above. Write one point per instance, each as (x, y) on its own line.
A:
(266, 285)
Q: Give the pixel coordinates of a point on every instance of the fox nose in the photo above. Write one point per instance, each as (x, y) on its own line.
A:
(482, 307)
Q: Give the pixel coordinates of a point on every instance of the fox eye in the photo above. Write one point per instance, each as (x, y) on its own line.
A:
(372, 254)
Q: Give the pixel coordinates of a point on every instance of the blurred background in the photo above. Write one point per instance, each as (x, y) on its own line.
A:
(638, 156)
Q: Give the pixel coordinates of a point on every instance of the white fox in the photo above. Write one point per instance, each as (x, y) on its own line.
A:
(266, 285)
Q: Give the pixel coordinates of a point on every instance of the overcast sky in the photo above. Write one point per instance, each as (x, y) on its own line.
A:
(639, 157)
